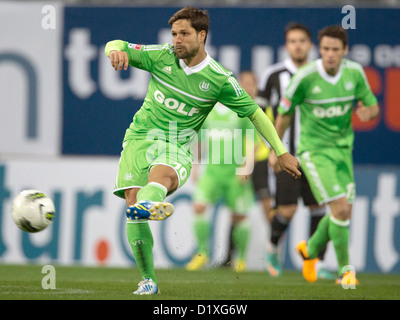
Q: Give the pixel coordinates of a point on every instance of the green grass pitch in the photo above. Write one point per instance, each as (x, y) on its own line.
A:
(24, 282)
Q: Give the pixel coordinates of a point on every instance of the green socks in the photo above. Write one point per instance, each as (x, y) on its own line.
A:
(153, 192)
(141, 241)
(202, 228)
(240, 234)
(339, 234)
(319, 238)
(139, 234)
(330, 228)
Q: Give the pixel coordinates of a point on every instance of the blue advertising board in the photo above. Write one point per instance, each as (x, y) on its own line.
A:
(374, 244)
(99, 103)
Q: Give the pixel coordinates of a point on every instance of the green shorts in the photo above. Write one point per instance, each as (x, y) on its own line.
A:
(139, 156)
(238, 196)
(329, 173)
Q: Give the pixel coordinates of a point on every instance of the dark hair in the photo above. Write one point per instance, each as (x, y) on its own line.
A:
(335, 31)
(199, 19)
(297, 26)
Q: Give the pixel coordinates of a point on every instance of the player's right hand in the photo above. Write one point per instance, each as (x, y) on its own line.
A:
(290, 164)
(119, 60)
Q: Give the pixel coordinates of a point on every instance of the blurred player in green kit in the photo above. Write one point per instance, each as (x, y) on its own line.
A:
(156, 159)
(325, 91)
(229, 145)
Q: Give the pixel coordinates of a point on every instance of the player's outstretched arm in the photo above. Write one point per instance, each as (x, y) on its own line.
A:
(118, 57)
(265, 127)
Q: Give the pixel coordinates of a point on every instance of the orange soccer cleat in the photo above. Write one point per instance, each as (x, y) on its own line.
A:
(309, 271)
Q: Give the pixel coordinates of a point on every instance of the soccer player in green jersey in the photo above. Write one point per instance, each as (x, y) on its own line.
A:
(185, 85)
(228, 142)
(287, 192)
(325, 91)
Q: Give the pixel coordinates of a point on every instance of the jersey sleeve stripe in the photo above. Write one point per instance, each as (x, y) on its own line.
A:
(214, 65)
(298, 77)
(357, 66)
(153, 47)
(236, 86)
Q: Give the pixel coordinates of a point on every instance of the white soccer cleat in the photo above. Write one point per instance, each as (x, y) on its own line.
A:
(147, 287)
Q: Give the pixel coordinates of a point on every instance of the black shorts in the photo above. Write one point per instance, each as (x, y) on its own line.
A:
(260, 179)
(289, 189)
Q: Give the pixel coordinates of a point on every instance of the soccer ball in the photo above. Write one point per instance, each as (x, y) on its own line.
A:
(32, 211)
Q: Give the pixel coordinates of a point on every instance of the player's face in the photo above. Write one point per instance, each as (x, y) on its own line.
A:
(298, 45)
(332, 52)
(249, 84)
(187, 41)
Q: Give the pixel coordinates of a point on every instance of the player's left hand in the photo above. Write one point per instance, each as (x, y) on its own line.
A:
(290, 164)
(119, 60)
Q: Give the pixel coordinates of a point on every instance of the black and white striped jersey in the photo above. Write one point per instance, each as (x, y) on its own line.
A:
(272, 86)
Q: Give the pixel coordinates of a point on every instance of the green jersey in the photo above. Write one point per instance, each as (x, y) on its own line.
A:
(326, 103)
(179, 97)
(225, 137)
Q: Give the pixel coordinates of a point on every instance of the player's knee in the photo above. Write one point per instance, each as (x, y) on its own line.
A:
(164, 175)
(238, 218)
(342, 212)
(131, 196)
(199, 208)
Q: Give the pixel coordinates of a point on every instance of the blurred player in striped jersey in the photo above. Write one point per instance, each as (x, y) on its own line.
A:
(156, 159)
(325, 91)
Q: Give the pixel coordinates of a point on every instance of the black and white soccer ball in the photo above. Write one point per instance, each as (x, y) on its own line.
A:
(32, 211)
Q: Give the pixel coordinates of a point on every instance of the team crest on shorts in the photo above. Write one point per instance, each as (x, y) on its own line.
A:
(128, 176)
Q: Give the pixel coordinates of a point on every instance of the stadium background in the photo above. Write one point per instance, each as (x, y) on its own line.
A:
(63, 113)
